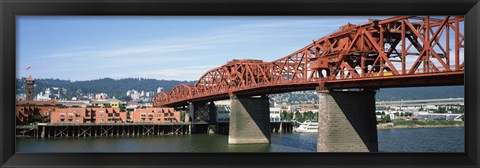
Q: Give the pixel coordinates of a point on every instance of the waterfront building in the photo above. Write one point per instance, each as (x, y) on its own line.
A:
(88, 115)
(223, 113)
(155, 115)
(223, 110)
(275, 114)
(434, 116)
(27, 111)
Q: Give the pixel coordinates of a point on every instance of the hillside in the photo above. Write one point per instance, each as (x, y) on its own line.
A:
(411, 93)
(118, 88)
(112, 87)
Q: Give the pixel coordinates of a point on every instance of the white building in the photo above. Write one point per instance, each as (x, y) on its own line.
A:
(430, 107)
(101, 96)
(434, 116)
(392, 116)
(224, 108)
(41, 97)
(135, 96)
(275, 114)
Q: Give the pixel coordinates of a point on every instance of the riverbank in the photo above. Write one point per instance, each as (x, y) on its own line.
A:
(419, 124)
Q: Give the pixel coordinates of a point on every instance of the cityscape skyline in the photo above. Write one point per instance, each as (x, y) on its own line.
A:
(159, 47)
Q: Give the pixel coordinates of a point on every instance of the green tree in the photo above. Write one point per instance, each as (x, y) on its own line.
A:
(309, 115)
(459, 110)
(289, 116)
(387, 119)
(182, 116)
(299, 117)
(440, 110)
(37, 118)
(283, 115)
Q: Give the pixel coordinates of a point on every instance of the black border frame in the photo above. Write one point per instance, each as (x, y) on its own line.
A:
(10, 8)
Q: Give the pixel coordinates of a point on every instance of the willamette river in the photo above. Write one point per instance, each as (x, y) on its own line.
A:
(390, 140)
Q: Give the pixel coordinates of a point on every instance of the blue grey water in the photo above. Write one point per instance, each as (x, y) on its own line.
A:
(390, 140)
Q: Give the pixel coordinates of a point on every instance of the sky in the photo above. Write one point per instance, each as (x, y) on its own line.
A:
(159, 47)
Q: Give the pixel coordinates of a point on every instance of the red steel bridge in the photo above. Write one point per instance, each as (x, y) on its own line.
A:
(401, 51)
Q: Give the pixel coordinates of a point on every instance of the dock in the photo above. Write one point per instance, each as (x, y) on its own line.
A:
(48, 130)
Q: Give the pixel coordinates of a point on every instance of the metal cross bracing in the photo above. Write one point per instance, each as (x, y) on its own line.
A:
(400, 51)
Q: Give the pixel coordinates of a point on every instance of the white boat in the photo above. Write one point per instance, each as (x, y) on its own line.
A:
(308, 126)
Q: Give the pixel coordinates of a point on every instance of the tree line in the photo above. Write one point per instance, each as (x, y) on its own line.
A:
(300, 117)
(112, 87)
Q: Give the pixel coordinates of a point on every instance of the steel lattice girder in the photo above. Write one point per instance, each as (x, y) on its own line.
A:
(375, 54)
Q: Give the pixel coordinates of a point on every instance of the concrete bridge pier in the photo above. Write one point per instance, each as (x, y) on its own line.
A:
(191, 115)
(347, 122)
(249, 120)
(212, 118)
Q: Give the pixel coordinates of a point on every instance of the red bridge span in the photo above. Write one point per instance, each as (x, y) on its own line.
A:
(400, 51)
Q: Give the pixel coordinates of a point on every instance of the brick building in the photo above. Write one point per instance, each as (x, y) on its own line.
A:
(88, 115)
(27, 110)
(155, 115)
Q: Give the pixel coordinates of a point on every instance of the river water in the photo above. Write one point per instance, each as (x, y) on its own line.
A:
(389, 140)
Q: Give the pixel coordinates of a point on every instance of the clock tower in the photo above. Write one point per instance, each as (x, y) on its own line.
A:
(29, 88)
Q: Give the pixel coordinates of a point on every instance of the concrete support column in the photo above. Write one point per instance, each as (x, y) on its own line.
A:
(212, 118)
(212, 113)
(249, 120)
(191, 115)
(347, 122)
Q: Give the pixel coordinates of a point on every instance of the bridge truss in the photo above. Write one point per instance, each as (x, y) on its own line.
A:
(394, 52)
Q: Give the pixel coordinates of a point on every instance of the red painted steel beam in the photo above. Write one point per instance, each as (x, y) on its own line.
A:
(356, 56)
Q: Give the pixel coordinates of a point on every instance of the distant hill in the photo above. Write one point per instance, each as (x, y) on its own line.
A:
(112, 87)
(119, 87)
(411, 93)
